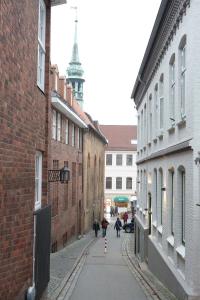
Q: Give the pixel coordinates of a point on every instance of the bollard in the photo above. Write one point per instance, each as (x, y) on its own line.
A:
(105, 249)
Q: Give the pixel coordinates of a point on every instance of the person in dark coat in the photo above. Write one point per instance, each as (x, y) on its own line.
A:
(96, 227)
(104, 225)
(118, 226)
(125, 217)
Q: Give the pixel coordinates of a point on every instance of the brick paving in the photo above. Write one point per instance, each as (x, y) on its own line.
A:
(62, 263)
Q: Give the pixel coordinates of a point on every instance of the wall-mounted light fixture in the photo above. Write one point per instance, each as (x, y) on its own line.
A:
(197, 160)
(163, 188)
(62, 175)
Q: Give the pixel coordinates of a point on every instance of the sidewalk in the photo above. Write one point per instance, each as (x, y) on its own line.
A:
(62, 264)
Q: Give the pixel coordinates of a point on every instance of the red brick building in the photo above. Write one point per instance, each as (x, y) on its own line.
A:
(66, 150)
(24, 139)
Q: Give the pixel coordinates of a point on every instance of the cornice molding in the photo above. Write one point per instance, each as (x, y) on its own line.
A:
(166, 31)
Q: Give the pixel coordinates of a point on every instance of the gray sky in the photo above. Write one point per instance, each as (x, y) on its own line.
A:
(112, 37)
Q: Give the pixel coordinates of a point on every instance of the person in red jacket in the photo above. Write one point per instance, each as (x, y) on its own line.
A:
(125, 217)
(104, 225)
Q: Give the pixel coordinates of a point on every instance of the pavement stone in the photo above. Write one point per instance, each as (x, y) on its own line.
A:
(62, 263)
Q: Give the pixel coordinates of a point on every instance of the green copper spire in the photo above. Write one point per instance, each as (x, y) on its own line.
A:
(75, 71)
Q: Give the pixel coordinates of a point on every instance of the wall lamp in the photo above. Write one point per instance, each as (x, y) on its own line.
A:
(62, 175)
(163, 188)
(197, 160)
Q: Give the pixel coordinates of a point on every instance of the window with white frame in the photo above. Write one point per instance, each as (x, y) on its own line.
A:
(161, 104)
(56, 125)
(182, 57)
(155, 182)
(66, 131)
(118, 159)
(128, 183)
(161, 196)
(78, 138)
(41, 44)
(150, 118)
(108, 159)
(171, 196)
(38, 180)
(129, 159)
(119, 183)
(182, 198)
(108, 182)
(73, 135)
(142, 128)
(145, 123)
(138, 132)
(172, 88)
(155, 110)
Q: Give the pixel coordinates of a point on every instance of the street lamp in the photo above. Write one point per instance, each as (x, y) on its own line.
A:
(62, 175)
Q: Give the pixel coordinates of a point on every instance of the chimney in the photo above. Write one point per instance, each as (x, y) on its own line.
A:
(54, 77)
(69, 95)
(62, 87)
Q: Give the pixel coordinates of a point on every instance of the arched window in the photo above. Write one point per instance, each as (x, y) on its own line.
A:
(182, 202)
(161, 101)
(160, 196)
(155, 191)
(150, 118)
(172, 88)
(182, 74)
(171, 198)
(156, 110)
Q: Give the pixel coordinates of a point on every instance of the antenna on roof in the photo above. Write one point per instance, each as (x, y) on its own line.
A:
(76, 8)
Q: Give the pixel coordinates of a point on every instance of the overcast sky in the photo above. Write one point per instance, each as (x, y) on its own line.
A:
(112, 38)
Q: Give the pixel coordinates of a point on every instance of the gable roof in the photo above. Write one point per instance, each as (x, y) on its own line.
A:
(120, 136)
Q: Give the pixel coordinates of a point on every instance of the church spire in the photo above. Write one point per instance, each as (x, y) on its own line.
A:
(75, 71)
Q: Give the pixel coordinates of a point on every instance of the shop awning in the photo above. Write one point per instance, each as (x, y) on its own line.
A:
(121, 199)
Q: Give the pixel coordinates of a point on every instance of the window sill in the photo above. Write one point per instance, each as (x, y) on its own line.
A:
(181, 251)
(160, 229)
(170, 240)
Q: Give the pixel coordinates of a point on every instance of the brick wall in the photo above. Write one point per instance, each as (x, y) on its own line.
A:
(23, 111)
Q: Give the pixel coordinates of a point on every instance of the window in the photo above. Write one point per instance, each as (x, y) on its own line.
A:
(108, 182)
(145, 123)
(78, 138)
(129, 159)
(73, 135)
(66, 132)
(182, 55)
(119, 183)
(172, 88)
(161, 195)
(161, 95)
(56, 125)
(156, 194)
(38, 180)
(142, 128)
(74, 184)
(171, 187)
(109, 159)
(41, 45)
(54, 193)
(150, 118)
(181, 183)
(65, 186)
(128, 183)
(119, 159)
(156, 109)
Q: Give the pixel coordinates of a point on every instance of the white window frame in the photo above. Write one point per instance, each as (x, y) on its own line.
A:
(183, 205)
(38, 180)
(58, 126)
(41, 45)
(78, 138)
(117, 157)
(66, 132)
(150, 118)
(156, 110)
(182, 79)
(118, 183)
(128, 182)
(54, 124)
(161, 102)
(108, 180)
(108, 155)
(172, 89)
(73, 135)
(129, 155)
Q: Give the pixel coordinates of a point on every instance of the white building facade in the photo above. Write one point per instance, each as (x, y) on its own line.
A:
(167, 93)
(120, 163)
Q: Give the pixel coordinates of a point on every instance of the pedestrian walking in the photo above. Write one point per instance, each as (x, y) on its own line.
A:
(116, 210)
(96, 227)
(125, 217)
(118, 226)
(104, 225)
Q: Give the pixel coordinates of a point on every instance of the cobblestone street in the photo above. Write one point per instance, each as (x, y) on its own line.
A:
(78, 271)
